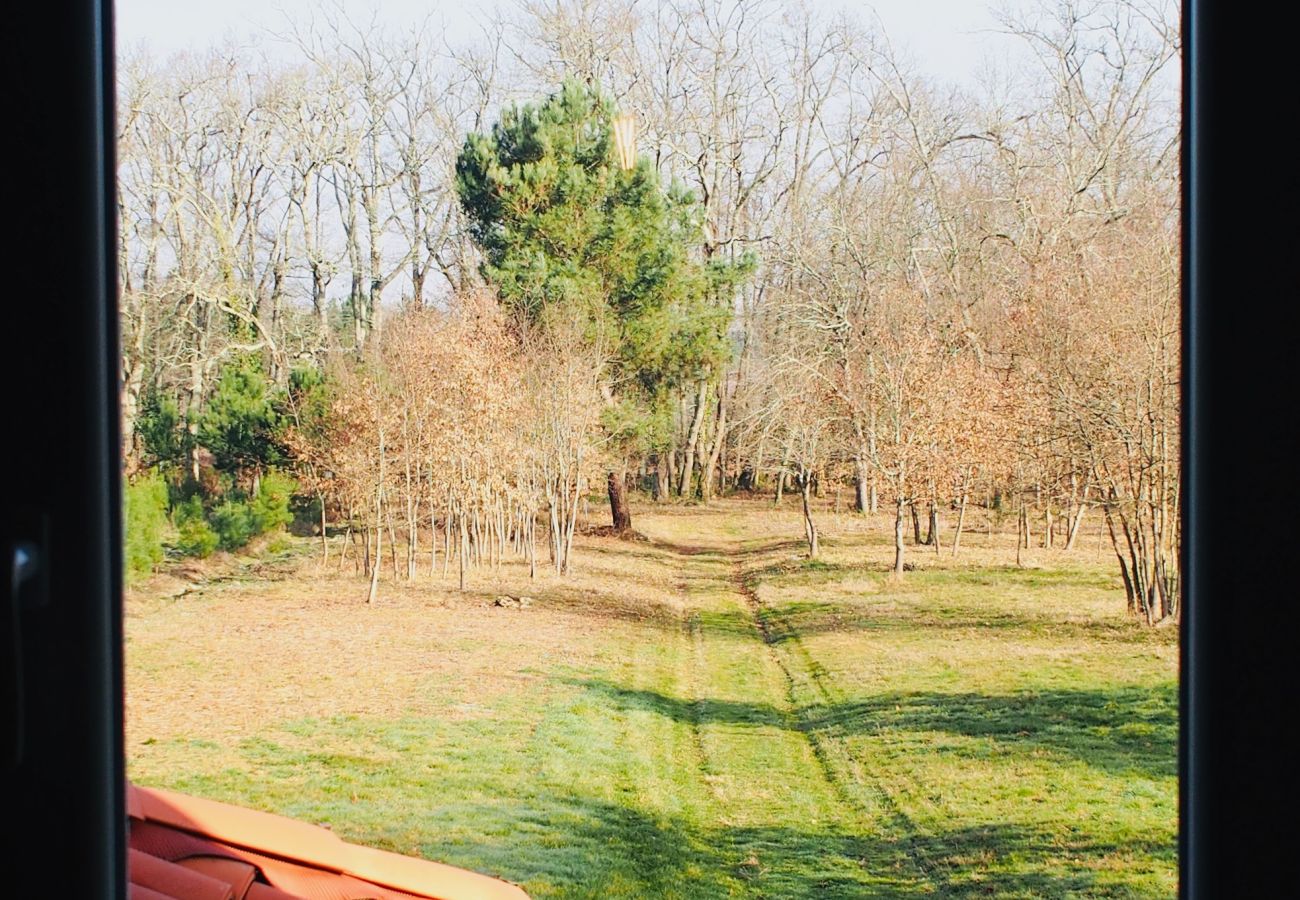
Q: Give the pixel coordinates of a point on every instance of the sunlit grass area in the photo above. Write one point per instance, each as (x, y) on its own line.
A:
(700, 713)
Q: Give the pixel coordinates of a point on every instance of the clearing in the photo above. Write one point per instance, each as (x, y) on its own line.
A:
(703, 713)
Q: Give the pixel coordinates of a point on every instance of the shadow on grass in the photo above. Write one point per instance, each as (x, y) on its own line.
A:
(565, 846)
(1126, 730)
(728, 550)
(1119, 731)
(592, 848)
(562, 842)
(704, 712)
(813, 572)
(885, 613)
(644, 549)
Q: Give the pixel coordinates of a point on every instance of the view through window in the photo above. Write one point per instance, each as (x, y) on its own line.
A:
(676, 448)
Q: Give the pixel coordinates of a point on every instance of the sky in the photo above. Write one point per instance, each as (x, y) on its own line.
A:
(942, 35)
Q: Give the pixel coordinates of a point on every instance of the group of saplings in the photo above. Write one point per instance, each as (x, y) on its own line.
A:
(211, 481)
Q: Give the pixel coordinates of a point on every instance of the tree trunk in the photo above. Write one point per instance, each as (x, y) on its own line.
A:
(379, 526)
(446, 537)
(745, 481)
(531, 527)
(319, 305)
(553, 533)
(861, 503)
(618, 508)
(464, 549)
(412, 525)
(932, 538)
(1022, 541)
(810, 527)
(347, 540)
(688, 460)
(392, 543)
(899, 530)
(373, 593)
(324, 540)
(916, 524)
(661, 477)
(131, 386)
(961, 520)
(1130, 594)
(480, 552)
(365, 549)
(571, 523)
(723, 468)
(192, 416)
(715, 454)
(433, 537)
(1078, 520)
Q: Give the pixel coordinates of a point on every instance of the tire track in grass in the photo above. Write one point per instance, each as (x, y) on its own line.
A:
(788, 826)
(696, 694)
(669, 778)
(605, 785)
(654, 852)
(778, 630)
(798, 722)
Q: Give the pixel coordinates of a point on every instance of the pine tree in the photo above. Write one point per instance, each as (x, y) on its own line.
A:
(567, 235)
(242, 425)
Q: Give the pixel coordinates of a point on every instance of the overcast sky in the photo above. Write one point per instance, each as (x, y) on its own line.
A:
(942, 35)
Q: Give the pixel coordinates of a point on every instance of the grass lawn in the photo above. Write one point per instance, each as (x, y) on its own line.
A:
(703, 713)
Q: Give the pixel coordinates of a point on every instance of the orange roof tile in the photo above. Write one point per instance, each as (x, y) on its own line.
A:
(189, 848)
(172, 880)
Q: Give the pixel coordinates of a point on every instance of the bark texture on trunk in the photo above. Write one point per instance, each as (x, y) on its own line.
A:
(661, 477)
(932, 527)
(618, 508)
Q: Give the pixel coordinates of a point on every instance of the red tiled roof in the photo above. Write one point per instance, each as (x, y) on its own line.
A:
(189, 848)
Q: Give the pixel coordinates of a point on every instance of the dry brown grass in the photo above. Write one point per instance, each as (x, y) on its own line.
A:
(218, 650)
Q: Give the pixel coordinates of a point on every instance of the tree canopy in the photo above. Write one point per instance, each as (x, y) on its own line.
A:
(242, 424)
(567, 234)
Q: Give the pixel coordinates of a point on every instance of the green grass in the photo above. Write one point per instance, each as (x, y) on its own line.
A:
(770, 728)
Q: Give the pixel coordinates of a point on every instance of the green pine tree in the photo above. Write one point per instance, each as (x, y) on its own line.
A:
(242, 423)
(565, 231)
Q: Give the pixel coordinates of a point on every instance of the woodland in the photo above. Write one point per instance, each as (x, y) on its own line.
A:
(435, 301)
